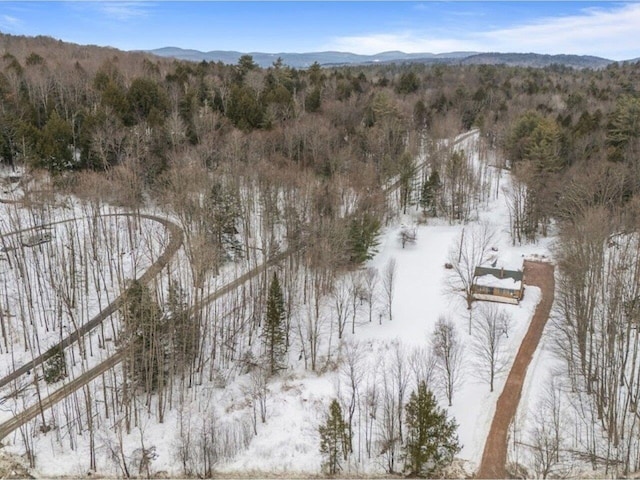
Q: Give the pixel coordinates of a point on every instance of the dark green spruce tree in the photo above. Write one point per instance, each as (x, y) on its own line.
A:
(55, 368)
(363, 238)
(431, 441)
(222, 214)
(429, 194)
(274, 331)
(184, 329)
(334, 439)
(143, 335)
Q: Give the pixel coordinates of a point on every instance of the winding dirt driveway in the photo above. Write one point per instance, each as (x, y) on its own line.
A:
(494, 457)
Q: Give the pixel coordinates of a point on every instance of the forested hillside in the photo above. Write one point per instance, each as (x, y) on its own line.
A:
(258, 167)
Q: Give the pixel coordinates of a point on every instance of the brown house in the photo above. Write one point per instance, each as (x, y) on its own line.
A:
(498, 285)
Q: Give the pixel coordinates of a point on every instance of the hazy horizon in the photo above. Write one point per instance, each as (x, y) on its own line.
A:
(603, 29)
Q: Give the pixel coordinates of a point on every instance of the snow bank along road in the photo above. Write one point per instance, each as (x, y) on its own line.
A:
(494, 456)
(175, 243)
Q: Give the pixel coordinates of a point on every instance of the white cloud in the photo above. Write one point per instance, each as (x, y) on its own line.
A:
(407, 42)
(612, 33)
(8, 22)
(124, 11)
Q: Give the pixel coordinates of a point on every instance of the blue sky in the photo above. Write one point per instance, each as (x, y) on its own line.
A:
(607, 29)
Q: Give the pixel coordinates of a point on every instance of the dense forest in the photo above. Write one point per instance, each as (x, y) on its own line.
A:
(314, 151)
(70, 109)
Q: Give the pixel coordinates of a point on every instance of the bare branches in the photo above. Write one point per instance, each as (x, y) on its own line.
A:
(408, 235)
(388, 283)
(447, 351)
(370, 283)
(471, 250)
(491, 331)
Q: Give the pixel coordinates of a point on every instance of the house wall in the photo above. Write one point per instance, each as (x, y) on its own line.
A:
(505, 295)
(495, 298)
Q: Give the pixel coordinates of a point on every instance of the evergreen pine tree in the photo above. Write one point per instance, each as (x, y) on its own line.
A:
(143, 333)
(55, 368)
(313, 100)
(334, 439)
(363, 238)
(431, 441)
(409, 83)
(184, 328)
(274, 334)
(223, 212)
(429, 193)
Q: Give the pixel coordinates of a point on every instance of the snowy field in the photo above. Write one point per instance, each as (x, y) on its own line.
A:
(287, 442)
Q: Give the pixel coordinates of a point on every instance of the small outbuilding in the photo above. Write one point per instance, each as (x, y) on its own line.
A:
(498, 285)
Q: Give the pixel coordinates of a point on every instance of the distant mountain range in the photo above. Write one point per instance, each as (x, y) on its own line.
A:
(304, 60)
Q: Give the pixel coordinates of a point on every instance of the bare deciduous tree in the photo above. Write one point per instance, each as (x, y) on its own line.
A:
(370, 283)
(472, 249)
(388, 282)
(400, 374)
(258, 390)
(356, 290)
(546, 434)
(389, 437)
(516, 199)
(408, 235)
(447, 351)
(491, 328)
(422, 364)
(341, 297)
(462, 185)
(312, 324)
(352, 373)
(371, 402)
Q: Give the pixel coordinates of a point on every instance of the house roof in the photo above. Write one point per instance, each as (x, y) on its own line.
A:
(495, 282)
(500, 273)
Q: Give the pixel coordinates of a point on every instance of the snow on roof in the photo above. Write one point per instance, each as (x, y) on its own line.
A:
(489, 280)
(504, 259)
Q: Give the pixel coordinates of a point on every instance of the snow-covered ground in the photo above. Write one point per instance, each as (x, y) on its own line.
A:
(421, 297)
(297, 400)
(78, 267)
